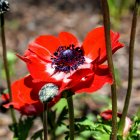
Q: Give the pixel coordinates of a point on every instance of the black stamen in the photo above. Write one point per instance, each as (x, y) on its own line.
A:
(67, 58)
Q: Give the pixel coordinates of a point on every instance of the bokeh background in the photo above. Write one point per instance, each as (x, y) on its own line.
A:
(29, 18)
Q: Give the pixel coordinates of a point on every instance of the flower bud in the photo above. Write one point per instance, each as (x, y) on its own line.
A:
(48, 92)
(4, 6)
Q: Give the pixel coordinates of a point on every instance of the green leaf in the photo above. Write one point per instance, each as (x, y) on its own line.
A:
(52, 118)
(38, 134)
(87, 129)
(80, 119)
(134, 133)
(23, 126)
(60, 130)
(60, 105)
(101, 136)
(62, 116)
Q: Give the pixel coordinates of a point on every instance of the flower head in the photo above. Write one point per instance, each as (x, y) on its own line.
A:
(64, 60)
(48, 92)
(4, 6)
(25, 96)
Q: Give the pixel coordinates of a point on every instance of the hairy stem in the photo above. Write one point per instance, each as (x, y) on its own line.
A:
(106, 20)
(71, 117)
(45, 121)
(7, 70)
(130, 69)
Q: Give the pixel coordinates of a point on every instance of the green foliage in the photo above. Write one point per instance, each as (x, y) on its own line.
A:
(56, 124)
(52, 119)
(60, 105)
(57, 120)
(38, 134)
(62, 116)
(86, 129)
(24, 126)
(135, 129)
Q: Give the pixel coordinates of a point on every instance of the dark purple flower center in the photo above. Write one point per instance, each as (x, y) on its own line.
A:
(67, 58)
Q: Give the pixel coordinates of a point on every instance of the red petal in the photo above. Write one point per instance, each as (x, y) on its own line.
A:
(67, 39)
(40, 51)
(15, 105)
(25, 96)
(101, 76)
(82, 78)
(43, 47)
(41, 70)
(5, 97)
(32, 109)
(95, 41)
(106, 115)
(25, 91)
(36, 67)
(51, 43)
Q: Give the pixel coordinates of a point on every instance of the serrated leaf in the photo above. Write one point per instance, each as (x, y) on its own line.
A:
(26, 123)
(21, 125)
(62, 116)
(52, 118)
(80, 119)
(135, 129)
(37, 135)
(107, 129)
(79, 128)
(66, 137)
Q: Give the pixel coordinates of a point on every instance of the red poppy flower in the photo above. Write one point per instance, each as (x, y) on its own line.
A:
(64, 59)
(107, 115)
(25, 96)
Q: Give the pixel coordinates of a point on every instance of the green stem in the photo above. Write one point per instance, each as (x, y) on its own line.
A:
(45, 121)
(71, 117)
(7, 70)
(106, 20)
(130, 78)
(53, 136)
